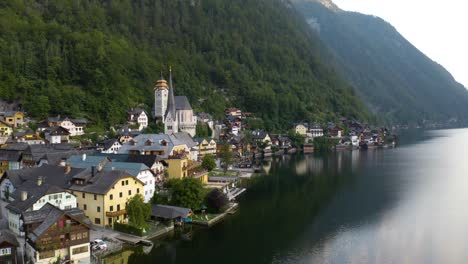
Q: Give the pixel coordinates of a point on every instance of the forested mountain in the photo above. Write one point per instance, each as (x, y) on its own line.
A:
(394, 78)
(96, 58)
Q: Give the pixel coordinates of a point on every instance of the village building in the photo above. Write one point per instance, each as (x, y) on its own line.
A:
(55, 235)
(139, 170)
(75, 126)
(31, 195)
(174, 112)
(5, 128)
(138, 117)
(301, 128)
(57, 135)
(103, 194)
(315, 131)
(8, 247)
(109, 146)
(206, 146)
(13, 118)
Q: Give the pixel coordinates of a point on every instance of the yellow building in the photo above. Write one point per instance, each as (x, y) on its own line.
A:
(301, 129)
(5, 128)
(103, 195)
(177, 168)
(13, 118)
(206, 146)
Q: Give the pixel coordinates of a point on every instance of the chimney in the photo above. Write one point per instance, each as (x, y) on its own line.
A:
(63, 162)
(24, 195)
(67, 168)
(93, 170)
(83, 158)
(39, 181)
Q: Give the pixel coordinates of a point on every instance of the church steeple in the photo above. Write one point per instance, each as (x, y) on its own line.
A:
(171, 101)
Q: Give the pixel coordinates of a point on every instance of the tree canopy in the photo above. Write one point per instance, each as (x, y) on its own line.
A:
(98, 58)
(138, 211)
(186, 192)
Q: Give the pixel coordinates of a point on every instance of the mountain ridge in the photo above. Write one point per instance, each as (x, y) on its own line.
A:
(395, 79)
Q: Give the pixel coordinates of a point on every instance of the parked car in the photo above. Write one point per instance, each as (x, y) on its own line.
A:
(98, 244)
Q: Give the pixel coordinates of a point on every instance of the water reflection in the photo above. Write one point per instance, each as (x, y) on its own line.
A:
(403, 205)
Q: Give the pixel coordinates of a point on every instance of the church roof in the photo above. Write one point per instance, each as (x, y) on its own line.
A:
(182, 103)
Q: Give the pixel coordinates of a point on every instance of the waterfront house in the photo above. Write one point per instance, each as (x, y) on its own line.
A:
(8, 247)
(31, 195)
(5, 128)
(139, 170)
(109, 146)
(55, 235)
(261, 136)
(103, 194)
(137, 117)
(315, 131)
(13, 118)
(336, 132)
(301, 128)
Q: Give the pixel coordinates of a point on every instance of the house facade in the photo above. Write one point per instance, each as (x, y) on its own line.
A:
(74, 125)
(8, 247)
(206, 146)
(55, 235)
(103, 197)
(57, 135)
(138, 117)
(13, 118)
(5, 128)
(109, 146)
(301, 129)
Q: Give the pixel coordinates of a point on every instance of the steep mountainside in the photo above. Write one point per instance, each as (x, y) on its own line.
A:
(394, 78)
(96, 58)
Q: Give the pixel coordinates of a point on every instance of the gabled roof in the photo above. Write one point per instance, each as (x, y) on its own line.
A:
(34, 193)
(49, 215)
(58, 118)
(108, 143)
(7, 236)
(169, 212)
(141, 144)
(185, 138)
(52, 174)
(101, 182)
(5, 123)
(182, 103)
(90, 161)
(58, 131)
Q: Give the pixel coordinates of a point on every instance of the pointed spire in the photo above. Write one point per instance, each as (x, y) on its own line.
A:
(171, 101)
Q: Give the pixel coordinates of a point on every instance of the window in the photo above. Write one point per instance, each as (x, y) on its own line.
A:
(111, 208)
(68, 197)
(47, 254)
(95, 197)
(85, 235)
(126, 182)
(123, 183)
(80, 250)
(138, 190)
(73, 236)
(111, 197)
(84, 207)
(83, 195)
(129, 192)
(5, 251)
(98, 209)
(118, 207)
(97, 221)
(110, 220)
(120, 194)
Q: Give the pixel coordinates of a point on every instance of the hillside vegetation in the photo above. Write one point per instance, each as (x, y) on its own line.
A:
(96, 58)
(397, 81)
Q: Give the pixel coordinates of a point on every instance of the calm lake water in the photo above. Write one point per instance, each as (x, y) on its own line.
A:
(402, 205)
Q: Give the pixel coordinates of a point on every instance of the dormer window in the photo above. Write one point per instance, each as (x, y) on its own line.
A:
(149, 142)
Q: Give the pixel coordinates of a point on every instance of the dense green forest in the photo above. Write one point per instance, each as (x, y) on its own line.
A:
(397, 81)
(96, 58)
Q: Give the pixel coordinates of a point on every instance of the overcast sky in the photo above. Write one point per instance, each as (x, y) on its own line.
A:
(437, 28)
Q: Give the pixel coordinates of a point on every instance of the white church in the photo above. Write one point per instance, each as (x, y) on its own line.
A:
(174, 111)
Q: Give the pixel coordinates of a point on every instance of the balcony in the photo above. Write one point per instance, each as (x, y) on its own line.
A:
(116, 213)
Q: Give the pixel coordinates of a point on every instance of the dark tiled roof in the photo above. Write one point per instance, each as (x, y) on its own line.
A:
(7, 236)
(169, 212)
(58, 131)
(7, 155)
(49, 215)
(148, 160)
(34, 193)
(182, 103)
(108, 143)
(101, 182)
(52, 174)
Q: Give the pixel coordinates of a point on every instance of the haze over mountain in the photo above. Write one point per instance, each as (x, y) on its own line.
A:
(394, 78)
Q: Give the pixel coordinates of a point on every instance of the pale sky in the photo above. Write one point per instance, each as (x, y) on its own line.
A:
(439, 28)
